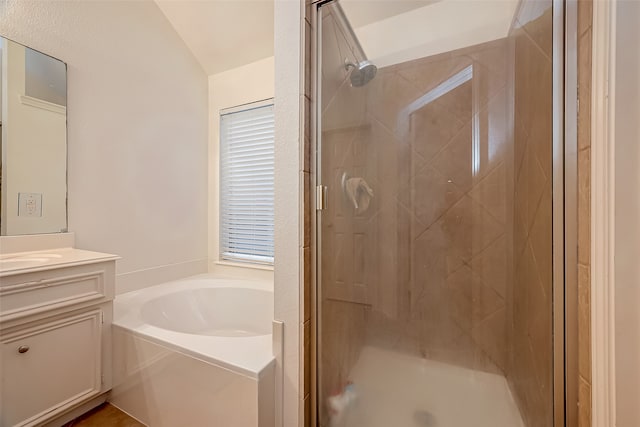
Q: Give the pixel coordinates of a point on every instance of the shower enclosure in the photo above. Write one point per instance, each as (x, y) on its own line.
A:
(439, 287)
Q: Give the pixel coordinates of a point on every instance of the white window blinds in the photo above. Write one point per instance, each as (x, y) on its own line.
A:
(246, 183)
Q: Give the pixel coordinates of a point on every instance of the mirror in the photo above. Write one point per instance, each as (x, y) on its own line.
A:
(33, 119)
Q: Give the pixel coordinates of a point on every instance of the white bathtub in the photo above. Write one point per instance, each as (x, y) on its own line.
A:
(197, 352)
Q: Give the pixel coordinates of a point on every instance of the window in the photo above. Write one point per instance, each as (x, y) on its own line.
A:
(246, 183)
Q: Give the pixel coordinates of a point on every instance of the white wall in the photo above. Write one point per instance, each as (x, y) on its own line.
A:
(627, 251)
(34, 139)
(289, 24)
(242, 85)
(137, 131)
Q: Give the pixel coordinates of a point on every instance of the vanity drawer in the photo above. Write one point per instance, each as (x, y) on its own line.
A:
(49, 367)
(33, 293)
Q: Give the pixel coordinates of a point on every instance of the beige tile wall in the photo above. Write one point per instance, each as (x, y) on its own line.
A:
(441, 176)
(530, 327)
(584, 214)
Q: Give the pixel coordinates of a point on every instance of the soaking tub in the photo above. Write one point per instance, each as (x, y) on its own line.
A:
(197, 352)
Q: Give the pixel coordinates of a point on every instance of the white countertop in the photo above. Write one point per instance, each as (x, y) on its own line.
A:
(28, 262)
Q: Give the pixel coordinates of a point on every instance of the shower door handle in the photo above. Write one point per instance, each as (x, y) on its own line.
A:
(321, 197)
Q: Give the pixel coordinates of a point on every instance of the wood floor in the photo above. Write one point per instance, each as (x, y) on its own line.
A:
(104, 415)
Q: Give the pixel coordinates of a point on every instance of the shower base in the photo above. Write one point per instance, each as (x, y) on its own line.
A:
(393, 389)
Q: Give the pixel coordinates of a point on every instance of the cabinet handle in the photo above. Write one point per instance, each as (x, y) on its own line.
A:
(23, 349)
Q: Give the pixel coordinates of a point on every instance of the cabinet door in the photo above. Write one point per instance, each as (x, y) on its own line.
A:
(49, 367)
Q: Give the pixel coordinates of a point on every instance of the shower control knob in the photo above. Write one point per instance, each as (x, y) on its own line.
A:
(23, 349)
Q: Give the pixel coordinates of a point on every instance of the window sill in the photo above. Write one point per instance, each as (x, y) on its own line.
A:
(244, 265)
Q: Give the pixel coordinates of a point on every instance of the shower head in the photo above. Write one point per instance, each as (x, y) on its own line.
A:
(361, 73)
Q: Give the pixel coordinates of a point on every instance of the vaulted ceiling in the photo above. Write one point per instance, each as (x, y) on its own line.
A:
(223, 34)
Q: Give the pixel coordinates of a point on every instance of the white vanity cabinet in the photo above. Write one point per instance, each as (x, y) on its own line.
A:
(55, 322)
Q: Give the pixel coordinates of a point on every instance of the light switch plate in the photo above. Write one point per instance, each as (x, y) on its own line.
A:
(30, 205)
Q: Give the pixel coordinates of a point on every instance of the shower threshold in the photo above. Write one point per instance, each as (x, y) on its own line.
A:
(394, 389)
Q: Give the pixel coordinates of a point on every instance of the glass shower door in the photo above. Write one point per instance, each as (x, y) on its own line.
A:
(434, 254)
